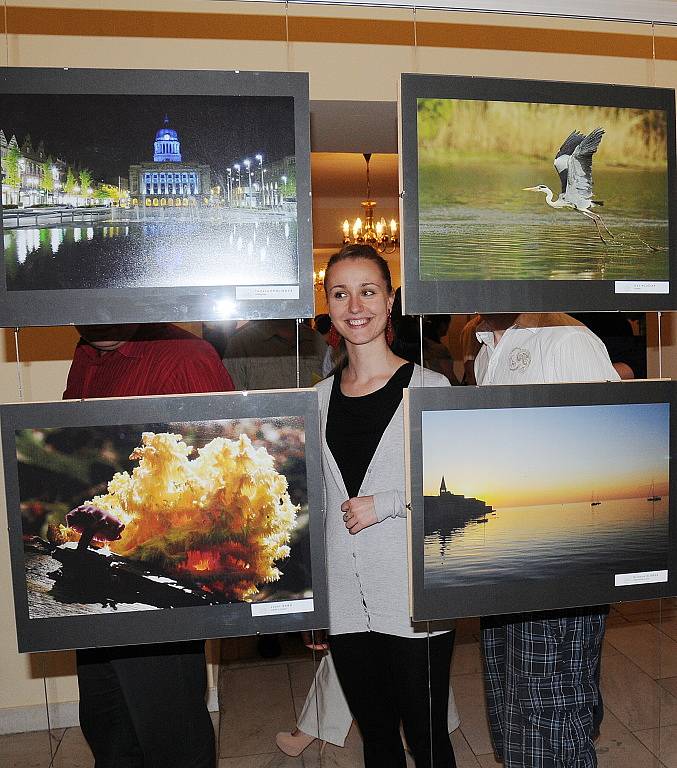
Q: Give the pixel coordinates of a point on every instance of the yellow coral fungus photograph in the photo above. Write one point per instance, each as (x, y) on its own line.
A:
(152, 516)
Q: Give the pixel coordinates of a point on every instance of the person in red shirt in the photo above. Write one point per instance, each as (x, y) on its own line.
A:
(144, 706)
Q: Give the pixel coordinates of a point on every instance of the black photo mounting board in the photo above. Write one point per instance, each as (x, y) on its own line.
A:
(480, 583)
(159, 296)
(89, 626)
(448, 294)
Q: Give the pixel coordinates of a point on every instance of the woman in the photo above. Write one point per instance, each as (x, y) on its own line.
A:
(381, 659)
(325, 714)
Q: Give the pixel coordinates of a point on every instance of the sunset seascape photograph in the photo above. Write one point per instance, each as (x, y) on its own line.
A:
(545, 493)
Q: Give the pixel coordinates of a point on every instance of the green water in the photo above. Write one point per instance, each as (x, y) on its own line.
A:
(476, 223)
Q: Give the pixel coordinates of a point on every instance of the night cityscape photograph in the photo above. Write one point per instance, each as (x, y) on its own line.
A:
(109, 191)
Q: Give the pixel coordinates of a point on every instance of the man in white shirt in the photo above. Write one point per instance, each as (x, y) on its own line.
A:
(539, 348)
(542, 669)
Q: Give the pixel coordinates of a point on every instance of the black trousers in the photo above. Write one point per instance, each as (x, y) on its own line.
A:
(386, 680)
(144, 706)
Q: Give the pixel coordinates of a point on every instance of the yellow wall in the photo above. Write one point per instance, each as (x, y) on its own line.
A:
(335, 46)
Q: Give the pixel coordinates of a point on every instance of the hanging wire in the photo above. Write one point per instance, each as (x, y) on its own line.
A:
(49, 723)
(413, 11)
(20, 392)
(286, 34)
(6, 35)
(420, 340)
(316, 665)
(653, 51)
(298, 353)
(19, 381)
(430, 695)
(659, 316)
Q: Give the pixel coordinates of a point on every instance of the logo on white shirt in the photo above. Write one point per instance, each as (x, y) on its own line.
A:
(519, 359)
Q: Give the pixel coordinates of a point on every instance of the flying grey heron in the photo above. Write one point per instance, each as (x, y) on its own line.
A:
(573, 163)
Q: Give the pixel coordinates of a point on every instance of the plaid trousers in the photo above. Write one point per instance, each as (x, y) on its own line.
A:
(540, 676)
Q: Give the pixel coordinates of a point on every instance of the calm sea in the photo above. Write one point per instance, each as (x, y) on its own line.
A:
(544, 542)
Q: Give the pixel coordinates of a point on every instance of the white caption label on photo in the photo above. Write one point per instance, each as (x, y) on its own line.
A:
(642, 286)
(642, 577)
(286, 606)
(266, 292)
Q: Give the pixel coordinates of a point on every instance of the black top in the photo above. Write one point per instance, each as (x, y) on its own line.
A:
(355, 425)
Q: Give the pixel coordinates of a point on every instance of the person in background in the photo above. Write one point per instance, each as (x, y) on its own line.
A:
(323, 325)
(217, 333)
(626, 351)
(436, 355)
(470, 346)
(390, 670)
(407, 341)
(144, 706)
(541, 670)
(262, 355)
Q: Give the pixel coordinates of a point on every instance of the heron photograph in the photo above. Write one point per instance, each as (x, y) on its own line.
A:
(541, 191)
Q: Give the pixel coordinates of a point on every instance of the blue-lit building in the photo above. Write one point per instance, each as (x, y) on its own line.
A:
(168, 180)
(167, 145)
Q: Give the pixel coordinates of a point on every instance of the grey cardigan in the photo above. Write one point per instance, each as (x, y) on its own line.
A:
(367, 572)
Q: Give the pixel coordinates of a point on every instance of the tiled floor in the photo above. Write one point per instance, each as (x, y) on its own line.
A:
(639, 680)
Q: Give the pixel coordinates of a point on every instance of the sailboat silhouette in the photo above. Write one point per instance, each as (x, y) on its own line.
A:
(652, 493)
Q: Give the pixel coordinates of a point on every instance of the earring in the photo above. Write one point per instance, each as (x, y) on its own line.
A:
(333, 337)
(390, 332)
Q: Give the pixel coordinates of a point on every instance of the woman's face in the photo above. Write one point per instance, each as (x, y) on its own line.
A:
(358, 300)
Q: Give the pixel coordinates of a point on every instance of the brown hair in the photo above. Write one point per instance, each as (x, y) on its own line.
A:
(354, 252)
(361, 251)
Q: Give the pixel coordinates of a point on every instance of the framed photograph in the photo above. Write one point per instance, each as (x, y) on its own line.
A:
(529, 196)
(152, 196)
(159, 519)
(541, 497)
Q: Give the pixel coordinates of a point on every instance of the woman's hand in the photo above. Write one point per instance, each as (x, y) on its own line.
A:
(316, 641)
(358, 513)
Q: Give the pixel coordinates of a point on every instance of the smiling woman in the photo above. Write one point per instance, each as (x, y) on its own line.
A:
(360, 296)
(370, 632)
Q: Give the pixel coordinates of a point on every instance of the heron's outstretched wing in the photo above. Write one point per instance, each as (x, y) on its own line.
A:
(562, 157)
(579, 177)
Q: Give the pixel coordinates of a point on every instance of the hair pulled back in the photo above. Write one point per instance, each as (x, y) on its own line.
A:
(354, 252)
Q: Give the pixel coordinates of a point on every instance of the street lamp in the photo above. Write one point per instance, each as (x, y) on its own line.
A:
(247, 165)
(239, 185)
(263, 185)
(229, 171)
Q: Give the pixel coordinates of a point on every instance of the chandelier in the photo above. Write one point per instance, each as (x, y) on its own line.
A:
(381, 235)
(318, 279)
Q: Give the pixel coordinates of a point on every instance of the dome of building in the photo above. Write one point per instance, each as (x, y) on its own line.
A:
(167, 148)
(166, 134)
